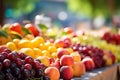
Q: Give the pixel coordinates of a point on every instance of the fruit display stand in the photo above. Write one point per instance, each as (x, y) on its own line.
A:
(106, 73)
(48, 56)
(119, 72)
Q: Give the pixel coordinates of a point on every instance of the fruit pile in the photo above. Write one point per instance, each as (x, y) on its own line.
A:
(111, 38)
(97, 42)
(18, 66)
(100, 57)
(44, 54)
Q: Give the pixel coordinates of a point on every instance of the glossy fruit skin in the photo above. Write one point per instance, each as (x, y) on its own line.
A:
(89, 63)
(17, 66)
(66, 72)
(6, 63)
(33, 29)
(16, 27)
(66, 60)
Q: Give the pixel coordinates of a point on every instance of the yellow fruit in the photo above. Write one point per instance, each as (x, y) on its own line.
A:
(29, 36)
(70, 50)
(28, 51)
(37, 51)
(11, 46)
(54, 55)
(76, 56)
(46, 53)
(37, 41)
(42, 46)
(16, 41)
(48, 44)
(52, 49)
(36, 56)
(25, 44)
(44, 60)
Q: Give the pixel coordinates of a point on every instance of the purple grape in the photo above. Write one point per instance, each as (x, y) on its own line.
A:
(22, 55)
(28, 66)
(6, 63)
(16, 71)
(26, 73)
(1, 57)
(9, 76)
(19, 62)
(1, 66)
(29, 59)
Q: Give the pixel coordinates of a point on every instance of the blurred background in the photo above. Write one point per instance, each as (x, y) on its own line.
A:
(92, 14)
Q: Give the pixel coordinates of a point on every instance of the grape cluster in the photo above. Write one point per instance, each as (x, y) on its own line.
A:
(111, 38)
(18, 66)
(95, 53)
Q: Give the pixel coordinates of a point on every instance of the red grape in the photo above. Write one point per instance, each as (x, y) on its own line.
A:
(28, 66)
(19, 62)
(29, 59)
(36, 65)
(6, 63)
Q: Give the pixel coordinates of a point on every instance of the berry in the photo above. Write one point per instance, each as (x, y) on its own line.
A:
(29, 59)
(6, 63)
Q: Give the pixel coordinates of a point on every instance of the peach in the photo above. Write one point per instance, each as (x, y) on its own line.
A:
(66, 60)
(89, 63)
(66, 72)
(76, 56)
(67, 41)
(53, 73)
(56, 64)
(109, 58)
(52, 60)
(62, 52)
(59, 43)
(78, 69)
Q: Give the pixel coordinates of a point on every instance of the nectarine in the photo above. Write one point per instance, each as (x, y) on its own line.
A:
(53, 73)
(66, 60)
(66, 72)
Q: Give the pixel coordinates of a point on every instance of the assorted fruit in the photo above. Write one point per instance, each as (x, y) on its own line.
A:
(18, 66)
(111, 38)
(51, 53)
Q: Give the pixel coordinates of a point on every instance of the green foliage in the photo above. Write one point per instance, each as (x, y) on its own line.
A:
(26, 31)
(42, 27)
(92, 8)
(21, 6)
(3, 33)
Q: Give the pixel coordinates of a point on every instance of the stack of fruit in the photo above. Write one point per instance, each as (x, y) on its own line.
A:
(18, 66)
(44, 54)
(111, 38)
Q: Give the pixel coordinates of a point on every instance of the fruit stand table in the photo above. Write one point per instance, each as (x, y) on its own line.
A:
(106, 73)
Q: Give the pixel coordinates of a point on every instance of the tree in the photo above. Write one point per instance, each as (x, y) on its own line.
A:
(18, 7)
(93, 8)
